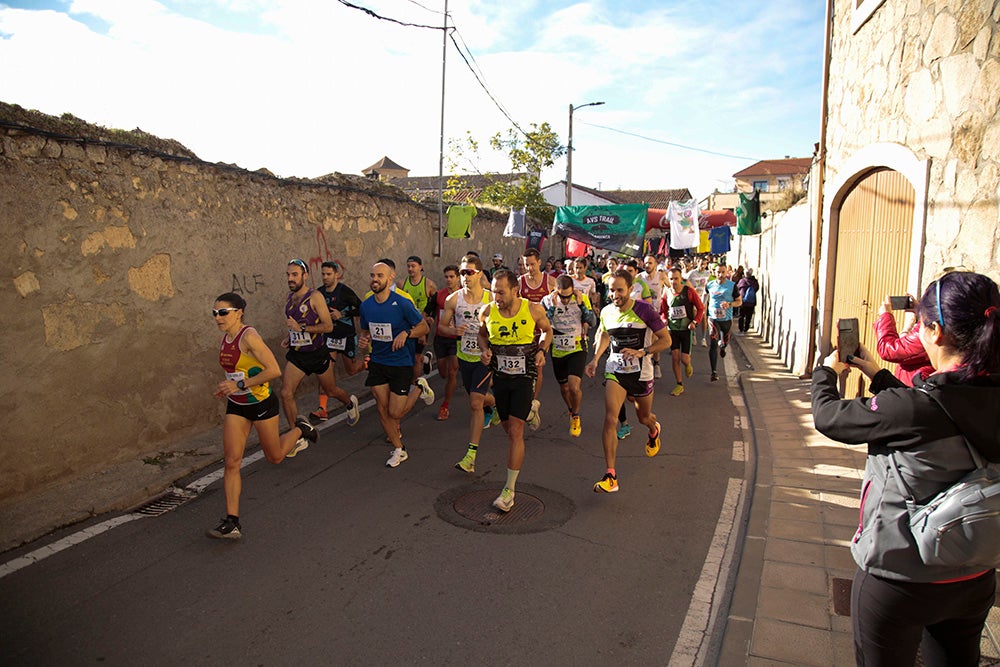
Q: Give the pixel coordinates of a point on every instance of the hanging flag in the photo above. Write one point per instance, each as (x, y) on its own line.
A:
(619, 228)
(683, 217)
(459, 221)
(576, 248)
(748, 214)
(516, 223)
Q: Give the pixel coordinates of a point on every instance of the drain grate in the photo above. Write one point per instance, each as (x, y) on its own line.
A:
(535, 509)
(170, 500)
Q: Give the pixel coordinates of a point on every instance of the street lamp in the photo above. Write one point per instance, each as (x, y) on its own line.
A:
(569, 151)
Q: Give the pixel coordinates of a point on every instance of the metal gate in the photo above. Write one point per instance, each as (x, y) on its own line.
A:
(873, 255)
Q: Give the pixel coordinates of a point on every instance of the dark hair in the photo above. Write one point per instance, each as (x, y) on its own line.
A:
(414, 258)
(622, 273)
(474, 260)
(673, 269)
(233, 299)
(507, 275)
(564, 281)
(299, 263)
(451, 267)
(330, 264)
(531, 252)
(970, 310)
(473, 253)
(388, 262)
(632, 262)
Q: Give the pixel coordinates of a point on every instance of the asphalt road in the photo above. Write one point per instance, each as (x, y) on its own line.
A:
(345, 561)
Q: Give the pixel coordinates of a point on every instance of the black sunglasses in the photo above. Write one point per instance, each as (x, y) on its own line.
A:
(468, 272)
(222, 311)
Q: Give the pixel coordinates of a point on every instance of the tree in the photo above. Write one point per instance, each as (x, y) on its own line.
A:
(528, 152)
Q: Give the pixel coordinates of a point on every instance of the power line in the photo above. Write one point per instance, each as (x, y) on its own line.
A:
(386, 18)
(485, 89)
(433, 11)
(671, 143)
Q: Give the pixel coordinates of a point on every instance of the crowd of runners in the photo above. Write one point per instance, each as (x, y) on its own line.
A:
(495, 329)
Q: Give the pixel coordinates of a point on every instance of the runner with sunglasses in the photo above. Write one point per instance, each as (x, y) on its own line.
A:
(569, 311)
(460, 318)
(249, 366)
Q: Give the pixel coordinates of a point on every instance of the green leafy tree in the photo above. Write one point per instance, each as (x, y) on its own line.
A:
(529, 152)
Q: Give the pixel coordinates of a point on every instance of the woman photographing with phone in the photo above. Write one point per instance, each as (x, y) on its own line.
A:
(898, 602)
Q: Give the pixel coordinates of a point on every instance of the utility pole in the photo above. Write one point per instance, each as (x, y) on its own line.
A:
(569, 151)
(444, 61)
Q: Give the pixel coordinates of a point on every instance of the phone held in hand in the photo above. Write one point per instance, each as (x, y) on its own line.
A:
(901, 302)
(848, 338)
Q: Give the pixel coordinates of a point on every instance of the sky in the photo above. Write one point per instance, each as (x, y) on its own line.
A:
(309, 87)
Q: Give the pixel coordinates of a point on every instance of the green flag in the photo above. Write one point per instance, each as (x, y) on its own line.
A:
(619, 227)
(748, 214)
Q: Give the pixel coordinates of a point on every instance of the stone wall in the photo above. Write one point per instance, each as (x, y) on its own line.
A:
(114, 256)
(926, 75)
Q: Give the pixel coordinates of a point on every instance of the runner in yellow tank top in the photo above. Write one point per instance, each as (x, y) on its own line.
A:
(507, 340)
(420, 289)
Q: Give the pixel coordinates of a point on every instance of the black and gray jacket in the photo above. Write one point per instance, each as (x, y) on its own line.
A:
(926, 426)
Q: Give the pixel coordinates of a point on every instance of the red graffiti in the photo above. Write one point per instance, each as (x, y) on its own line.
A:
(323, 254)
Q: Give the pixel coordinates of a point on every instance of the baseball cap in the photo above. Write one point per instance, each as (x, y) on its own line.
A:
(498, 256)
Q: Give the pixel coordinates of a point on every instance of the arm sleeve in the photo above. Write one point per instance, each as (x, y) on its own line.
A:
(699, 306)
(893, 347)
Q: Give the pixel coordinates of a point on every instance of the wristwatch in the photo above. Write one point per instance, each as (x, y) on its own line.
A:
(241, 385)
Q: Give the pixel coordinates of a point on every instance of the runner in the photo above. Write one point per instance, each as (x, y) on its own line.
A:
(388, 323)
(582, 282)
(445, 344)
(308, 319)
(533, 285)
(342, 342)
(722, 298)
(682, 309)
(461, 318)
(250, 366)
(698, 279)
(634, 332)
(515, 355)
(421, 290)
(656, 279)
(569, 311)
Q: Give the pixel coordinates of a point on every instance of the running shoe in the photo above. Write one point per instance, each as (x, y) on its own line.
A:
(689, 370)
(704, 342)
(318, 415)
(678, 390)
(397, 457)
(624, 431)
(443, 413)
(608, 484)
(427, 357)
(722, 350)
(574, 426)
(228, 529)
(309, 431)
(653, 444)
(353, 412)
(426, 392)
(490, 417)
(534, 418)
(300, 445)
(715, 376)
(468, 463)
(657, 373)
(505, 501)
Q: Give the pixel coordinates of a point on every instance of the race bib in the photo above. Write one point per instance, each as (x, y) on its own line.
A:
(678, 312)
(338, 344)
(381, 331)
(564, 343)
(470, 345)
(512, 365)
(299, 338)
(720, 313)
(621, 364)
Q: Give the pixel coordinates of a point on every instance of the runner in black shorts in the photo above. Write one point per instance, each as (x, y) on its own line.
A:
(445, 344)
(682, 309)
(570, 312)
(341, 343)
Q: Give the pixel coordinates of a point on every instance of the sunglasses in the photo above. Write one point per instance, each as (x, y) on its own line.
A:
(468, 272)
(299, 263)
(222, 312)
(565, 297)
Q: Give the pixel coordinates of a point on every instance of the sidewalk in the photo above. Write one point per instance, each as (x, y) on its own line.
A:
(791, 601)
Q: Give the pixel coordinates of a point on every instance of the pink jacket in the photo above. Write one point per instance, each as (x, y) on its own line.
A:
(907, 351)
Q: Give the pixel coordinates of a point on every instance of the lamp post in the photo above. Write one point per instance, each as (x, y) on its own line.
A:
(569, 151)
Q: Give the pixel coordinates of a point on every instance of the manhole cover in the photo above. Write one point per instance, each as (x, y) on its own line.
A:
(535, 509)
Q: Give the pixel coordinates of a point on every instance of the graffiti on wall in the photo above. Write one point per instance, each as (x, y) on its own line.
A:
(244, 284)
(323, 254)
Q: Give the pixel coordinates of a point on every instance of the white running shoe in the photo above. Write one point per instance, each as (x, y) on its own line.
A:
(353, 412)
(657, 373)
(534, 417)
(300, 445)
(397, 457)
(505, 501)
(426, 392)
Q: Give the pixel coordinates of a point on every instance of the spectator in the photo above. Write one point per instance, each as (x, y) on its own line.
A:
(749, 289)
(905, 350)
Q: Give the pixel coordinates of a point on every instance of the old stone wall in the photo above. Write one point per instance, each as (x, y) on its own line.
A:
(113, 257)
(926, 75)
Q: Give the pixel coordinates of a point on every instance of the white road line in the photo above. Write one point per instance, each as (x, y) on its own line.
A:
(739, 450)
(691, 647)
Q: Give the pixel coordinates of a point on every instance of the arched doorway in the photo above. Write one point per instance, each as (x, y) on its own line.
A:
(874, 244)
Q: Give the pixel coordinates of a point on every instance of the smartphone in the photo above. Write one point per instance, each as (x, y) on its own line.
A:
(901, 302)
(848, 338)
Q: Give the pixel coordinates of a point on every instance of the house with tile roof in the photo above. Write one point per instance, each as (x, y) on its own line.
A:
(774, 179)
(385, 170)
(555, 194)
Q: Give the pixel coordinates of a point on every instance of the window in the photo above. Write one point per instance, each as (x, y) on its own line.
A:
(760, 186)
(784, 183)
